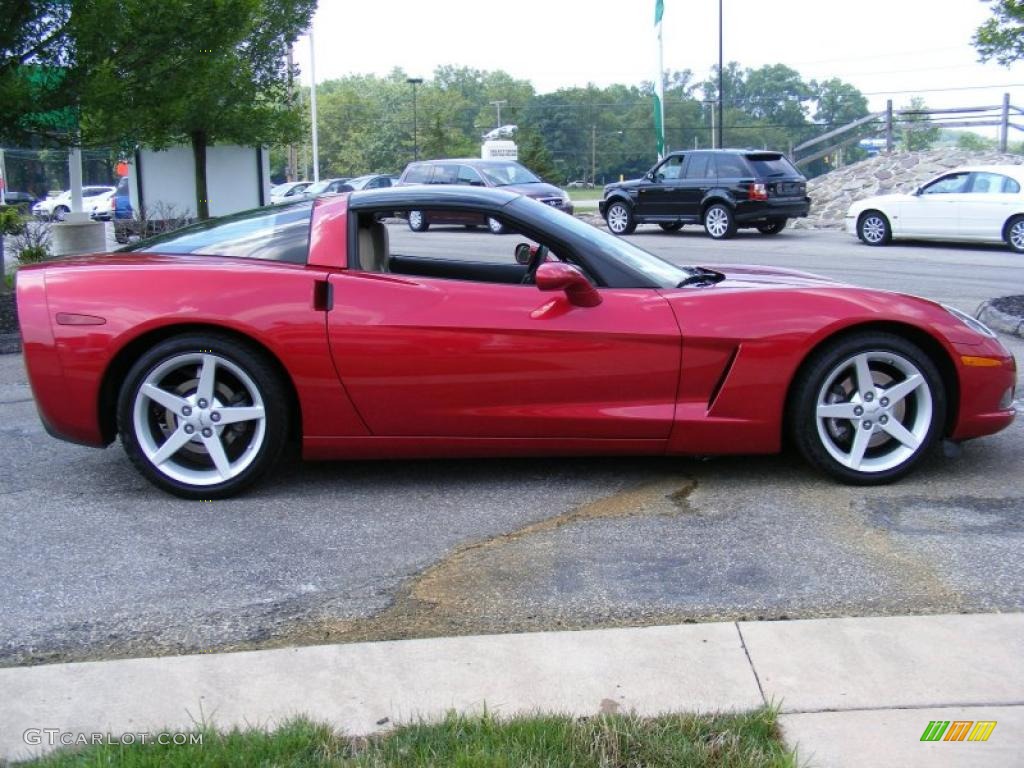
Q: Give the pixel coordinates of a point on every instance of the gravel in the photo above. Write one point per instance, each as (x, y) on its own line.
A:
(1011, 305)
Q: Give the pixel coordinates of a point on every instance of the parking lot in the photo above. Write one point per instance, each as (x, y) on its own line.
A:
(96, 563)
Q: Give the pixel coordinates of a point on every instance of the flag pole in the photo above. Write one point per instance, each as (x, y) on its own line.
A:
(659, 84)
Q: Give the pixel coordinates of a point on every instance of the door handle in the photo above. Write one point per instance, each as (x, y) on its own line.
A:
(323, 296)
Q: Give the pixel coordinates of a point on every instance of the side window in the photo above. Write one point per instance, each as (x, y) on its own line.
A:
(948, 185)
(469, 175)
(698, 166)
(122, 185)
(419, 174)
(445, 174)
(984, 183)
(671, 168)
(729, 167)
(1010, 186)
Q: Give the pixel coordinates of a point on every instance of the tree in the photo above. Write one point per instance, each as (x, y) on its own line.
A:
(918, 131)
(1002, 36)
(179, 71)
(35, 90)
(974, 142)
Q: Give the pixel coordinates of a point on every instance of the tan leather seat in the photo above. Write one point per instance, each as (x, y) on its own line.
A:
(373, 247)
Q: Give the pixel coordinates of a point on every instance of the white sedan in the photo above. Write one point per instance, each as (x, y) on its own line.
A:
(58, 206)
(981, 203)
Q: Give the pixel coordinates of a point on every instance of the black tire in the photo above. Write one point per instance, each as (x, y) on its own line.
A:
(472, 227)
(1013, 234)
(418, 221)
(675, 226)
(250, 447)
(873, 228)
(60, 212)
(772, 227)
(719, 222)
(619, 218)
(496, 227)
(860, 449)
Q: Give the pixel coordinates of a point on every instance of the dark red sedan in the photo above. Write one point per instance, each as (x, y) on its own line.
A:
(208, 349)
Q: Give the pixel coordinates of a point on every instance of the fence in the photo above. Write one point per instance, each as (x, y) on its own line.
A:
(890, 121)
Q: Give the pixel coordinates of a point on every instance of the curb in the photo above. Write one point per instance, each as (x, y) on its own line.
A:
(998, 320)
(10, 343)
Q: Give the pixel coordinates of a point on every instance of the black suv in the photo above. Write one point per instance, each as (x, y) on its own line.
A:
(723, 189)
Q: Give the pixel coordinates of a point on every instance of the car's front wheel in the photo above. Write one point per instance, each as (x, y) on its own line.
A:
(873, 228)
(619, 219)
(772, 227)
(868, 408)
(418, 221)
(1015, 234)
(719, 222)
(203, 416)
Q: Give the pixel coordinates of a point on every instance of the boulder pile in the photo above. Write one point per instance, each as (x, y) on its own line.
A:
(832, 193)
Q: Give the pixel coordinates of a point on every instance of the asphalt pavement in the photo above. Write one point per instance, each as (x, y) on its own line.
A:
(96, 563)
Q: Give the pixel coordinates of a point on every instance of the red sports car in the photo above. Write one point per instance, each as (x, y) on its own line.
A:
(210, 348)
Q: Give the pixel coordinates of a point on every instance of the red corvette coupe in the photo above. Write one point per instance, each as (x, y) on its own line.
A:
(210, 348)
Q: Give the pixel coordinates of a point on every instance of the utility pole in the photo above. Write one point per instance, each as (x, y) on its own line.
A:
(497, 106)
(291, 174)
(414, 81)
(312, 107)
(593, 154)
(721, 79)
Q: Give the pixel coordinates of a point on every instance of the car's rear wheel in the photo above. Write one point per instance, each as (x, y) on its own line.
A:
(772, 227)
(496, 227)
(1015, 234)
(675, 226)
(873, 228)
(619, 219)
(719, 222)
(203, 416)
(418, 221)
(868, 408)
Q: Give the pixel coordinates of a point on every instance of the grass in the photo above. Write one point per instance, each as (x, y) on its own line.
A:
(605, 741)
(585, 194)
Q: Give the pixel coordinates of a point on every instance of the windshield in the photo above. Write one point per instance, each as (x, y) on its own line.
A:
(318, 188)
(504, 174)
(767, 166)
(657, 270)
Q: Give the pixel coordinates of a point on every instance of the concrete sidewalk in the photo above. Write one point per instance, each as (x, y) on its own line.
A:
(852, 691)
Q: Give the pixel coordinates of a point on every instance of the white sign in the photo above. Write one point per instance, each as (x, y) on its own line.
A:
(499, 150)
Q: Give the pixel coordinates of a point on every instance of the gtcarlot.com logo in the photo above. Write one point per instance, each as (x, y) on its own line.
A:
(958, 730)
(55, 737)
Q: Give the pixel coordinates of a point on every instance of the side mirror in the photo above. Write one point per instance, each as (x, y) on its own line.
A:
(524, 251)
(558, 276)
(651, 176)
(919, 191)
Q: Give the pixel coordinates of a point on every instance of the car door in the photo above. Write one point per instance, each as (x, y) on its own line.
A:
(655, 196)
(698, 178)
(425, 356)
(934, 210)
(989, 202)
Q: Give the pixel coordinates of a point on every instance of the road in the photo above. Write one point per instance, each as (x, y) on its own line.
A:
(96, 563)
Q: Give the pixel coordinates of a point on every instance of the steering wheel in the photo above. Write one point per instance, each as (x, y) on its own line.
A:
(536, 259)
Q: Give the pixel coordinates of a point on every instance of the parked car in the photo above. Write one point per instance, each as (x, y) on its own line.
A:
(722, 189)
(58, 206)
(288, 191)
(23, 200)
(504, 174)
(208, 348)
(371, 181)
(123, 214)
(983, 204)
(324, 187)
(101, 207)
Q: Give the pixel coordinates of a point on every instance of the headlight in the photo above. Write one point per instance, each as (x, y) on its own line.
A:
(974, 324)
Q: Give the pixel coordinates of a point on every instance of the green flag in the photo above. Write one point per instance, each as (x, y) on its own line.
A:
(659, 84)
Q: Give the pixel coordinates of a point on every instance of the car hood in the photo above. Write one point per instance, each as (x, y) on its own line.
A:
(536, 190)
(755, 276)
(628, 184)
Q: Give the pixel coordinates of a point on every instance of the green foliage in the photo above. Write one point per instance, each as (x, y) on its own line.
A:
(33, 88)
(705, 741)
(11, 222)
(974, 142)
(1002, 36)
(33, 254)
(917, 131)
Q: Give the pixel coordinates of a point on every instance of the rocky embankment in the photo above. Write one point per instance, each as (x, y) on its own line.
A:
(883, 174)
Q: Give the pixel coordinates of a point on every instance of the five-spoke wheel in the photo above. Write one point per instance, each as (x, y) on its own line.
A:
(867, 408)
(202, 416)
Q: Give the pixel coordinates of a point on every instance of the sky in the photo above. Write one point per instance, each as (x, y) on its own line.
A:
(887, 48)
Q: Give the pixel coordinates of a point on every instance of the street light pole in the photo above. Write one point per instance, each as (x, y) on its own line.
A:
(414, 81)
(497, 105)
(721, 79)
(312, 107)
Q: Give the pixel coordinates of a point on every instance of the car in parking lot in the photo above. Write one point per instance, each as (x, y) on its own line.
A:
(210, 348)
(721, 189)
(501, 174)
(58, 206)
(323, 187)
(982, 204)
(371, 181)
(288, 191)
